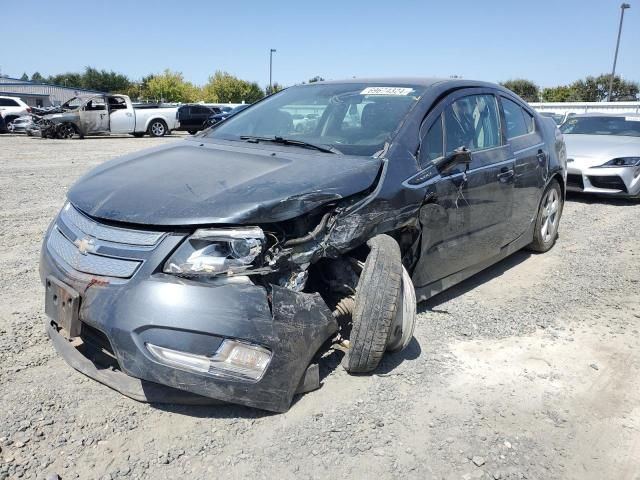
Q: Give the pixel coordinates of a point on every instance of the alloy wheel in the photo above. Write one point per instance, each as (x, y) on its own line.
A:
(550, 217)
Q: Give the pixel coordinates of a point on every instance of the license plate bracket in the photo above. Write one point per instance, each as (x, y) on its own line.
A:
(62, 304)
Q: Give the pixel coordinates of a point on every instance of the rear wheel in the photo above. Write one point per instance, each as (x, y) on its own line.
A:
(376, 304)
(548, 219)
(158, 128)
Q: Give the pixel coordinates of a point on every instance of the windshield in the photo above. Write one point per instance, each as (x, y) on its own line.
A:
(352, 118)
(72, 104)
(623, 126)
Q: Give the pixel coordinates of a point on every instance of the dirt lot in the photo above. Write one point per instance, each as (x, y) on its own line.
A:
(528, 370)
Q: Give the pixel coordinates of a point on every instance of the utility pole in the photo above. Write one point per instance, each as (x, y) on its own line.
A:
(271, 52)
(623, 7)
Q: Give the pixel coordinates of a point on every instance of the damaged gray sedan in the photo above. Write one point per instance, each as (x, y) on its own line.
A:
(223, 266)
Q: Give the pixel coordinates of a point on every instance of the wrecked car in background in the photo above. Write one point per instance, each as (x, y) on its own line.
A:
(225, 264)
(106, 114)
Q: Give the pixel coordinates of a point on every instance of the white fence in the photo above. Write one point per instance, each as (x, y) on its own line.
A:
(587, 107)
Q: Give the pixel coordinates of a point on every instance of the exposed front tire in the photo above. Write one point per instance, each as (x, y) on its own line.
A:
(157, 128)
(66, 131)
(377, 299)
(548, 219)
(404, 323)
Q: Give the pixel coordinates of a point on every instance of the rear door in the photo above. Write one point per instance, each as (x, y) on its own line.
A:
(467, 222)
(94, 116)
(530, 152)
(121, 118)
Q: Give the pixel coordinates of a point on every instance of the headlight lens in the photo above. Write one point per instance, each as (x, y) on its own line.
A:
(623, 162)
(234, 360)
(214, 251)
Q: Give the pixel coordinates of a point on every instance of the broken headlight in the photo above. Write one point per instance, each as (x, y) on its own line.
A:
(214, 251)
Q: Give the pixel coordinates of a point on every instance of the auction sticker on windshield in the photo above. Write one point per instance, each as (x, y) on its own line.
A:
(632, 119)
(386, 91)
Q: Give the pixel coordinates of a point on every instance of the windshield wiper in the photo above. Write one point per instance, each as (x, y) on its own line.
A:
(289, 141)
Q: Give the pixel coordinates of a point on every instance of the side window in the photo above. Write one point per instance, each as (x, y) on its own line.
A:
(96, 104)
(117, 103)
(514, 118)
(529, 121)
(472, 122)
(432, 146)
(8, 102)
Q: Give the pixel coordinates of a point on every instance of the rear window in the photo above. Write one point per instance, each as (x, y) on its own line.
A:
(623, 126)
(8, 102)
(516, 119)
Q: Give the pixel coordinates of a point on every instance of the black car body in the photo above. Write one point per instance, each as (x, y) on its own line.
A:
(218, 117)
(193, 118)
(222, 265)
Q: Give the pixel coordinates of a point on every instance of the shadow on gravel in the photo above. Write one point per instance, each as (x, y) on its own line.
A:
(222, 411)
(590, 199)
(472, 282)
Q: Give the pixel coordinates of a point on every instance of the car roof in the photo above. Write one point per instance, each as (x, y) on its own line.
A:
(614, 115)
(413, 81)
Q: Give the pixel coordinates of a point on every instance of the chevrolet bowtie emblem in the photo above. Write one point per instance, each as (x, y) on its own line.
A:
(85, 245)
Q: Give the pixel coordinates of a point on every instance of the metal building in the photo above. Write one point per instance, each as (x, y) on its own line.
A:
(39, 94)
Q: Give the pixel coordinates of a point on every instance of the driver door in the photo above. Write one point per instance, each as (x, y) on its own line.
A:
(466, 223)
(94, 116)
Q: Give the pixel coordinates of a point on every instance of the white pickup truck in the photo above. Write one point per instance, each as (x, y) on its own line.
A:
(107, 114)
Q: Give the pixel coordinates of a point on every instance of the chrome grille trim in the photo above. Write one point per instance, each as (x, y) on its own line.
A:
(73, 218)
(89, 263)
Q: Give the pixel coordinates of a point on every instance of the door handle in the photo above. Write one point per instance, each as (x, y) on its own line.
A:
(505, 175)
(542, 157)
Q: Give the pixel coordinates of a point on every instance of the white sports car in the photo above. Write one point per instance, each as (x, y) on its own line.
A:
(603, 154)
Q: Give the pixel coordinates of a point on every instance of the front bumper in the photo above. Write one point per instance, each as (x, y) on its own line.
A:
(618, 182)
(195, 317)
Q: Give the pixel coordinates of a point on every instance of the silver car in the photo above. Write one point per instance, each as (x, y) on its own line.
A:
(603, 154)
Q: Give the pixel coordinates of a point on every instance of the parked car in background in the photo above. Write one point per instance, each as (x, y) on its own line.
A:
(193, 118)
(559, 118)
(603, 153)
(229, 112)
(224, 265)
(106, 114)
(21, 124)
(12, 108)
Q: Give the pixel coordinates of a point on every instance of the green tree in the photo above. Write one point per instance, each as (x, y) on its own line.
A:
(36, 77)
(596, 89)
(170, 87)
(24, 77)
(69, 79)
(103, 81)
(526, 89)
(563, 93)
(225, 88)
(274, 89)
(315, 79)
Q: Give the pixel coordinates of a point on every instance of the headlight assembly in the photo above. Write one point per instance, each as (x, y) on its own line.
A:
(215, 251)
(623, 162)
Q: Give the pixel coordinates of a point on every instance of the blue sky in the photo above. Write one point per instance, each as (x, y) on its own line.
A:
(549, 41)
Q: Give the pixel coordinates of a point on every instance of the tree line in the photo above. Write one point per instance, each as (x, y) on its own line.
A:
(590, 89)
(168, 86)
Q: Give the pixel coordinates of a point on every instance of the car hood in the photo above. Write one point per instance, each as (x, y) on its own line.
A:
(594, 150)
(197, 182)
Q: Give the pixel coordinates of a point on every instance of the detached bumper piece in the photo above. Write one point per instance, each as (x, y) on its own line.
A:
(140, 390)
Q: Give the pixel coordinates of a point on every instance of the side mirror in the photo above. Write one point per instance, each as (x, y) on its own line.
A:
(461, 155)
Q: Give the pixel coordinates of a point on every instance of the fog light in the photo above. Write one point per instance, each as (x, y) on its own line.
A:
(234, 359)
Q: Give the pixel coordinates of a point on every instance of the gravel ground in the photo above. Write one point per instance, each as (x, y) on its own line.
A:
(529, 370)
